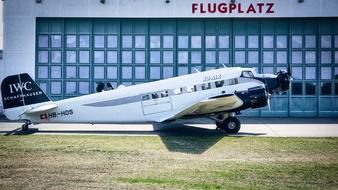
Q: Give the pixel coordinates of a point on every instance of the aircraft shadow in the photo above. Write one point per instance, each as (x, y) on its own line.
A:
(180, 138)
(193, 140)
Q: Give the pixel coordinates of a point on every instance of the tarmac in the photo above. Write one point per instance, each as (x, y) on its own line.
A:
(251, 126)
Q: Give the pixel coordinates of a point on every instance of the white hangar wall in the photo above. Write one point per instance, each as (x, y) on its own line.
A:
(19, 17)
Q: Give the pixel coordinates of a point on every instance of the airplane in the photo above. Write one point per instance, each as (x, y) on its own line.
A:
(218, 94)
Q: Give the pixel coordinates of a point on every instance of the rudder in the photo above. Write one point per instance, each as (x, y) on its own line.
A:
(21, 90)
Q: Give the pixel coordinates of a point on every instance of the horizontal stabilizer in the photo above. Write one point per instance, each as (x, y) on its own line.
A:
(39, 109)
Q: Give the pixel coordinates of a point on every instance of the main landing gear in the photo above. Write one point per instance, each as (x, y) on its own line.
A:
(25, 126)
(227, 122)
(229, 125)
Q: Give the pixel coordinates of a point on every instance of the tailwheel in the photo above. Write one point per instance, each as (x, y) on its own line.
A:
(24, 127)
(229, 125)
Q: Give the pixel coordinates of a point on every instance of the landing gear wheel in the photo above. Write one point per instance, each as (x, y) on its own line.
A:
(24, 127)
(229, 125)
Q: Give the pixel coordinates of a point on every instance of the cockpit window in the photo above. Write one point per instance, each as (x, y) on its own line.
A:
(247, 74)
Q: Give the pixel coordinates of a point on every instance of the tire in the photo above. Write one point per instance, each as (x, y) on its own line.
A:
(230, 125)
(24, 127)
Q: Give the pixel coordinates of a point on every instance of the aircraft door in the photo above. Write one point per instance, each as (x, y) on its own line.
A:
(156, 102)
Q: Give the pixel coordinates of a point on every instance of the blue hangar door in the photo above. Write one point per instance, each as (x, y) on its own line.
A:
(76, 55)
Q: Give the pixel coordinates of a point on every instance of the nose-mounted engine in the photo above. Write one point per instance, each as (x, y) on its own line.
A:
(276, 83)
(258, 96)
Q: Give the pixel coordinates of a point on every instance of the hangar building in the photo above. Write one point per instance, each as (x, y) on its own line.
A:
(70, 46)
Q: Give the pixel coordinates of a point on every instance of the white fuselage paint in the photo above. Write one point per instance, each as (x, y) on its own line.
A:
(106, 106)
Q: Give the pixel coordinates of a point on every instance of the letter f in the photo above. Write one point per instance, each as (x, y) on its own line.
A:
(194, 7)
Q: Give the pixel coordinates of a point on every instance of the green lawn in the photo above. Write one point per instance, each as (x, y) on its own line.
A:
(170, 162)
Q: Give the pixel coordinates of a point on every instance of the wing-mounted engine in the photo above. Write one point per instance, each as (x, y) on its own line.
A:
(253, 98)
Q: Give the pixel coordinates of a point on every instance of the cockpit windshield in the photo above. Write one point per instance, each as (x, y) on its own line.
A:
(247, 74)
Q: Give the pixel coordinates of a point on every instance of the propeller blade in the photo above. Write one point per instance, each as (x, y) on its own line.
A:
(289, 70)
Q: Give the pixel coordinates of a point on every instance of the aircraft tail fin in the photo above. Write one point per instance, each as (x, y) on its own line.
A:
(21, 90)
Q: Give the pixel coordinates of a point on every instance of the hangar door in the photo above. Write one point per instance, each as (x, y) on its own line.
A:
(74, 55)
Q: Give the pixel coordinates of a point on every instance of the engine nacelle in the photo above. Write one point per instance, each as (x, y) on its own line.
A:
(253, 98)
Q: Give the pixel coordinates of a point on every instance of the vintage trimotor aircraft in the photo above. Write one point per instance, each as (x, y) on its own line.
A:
(218, 94)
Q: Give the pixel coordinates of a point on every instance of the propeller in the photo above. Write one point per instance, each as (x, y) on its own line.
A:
(267, 91)
(290, 74)
(289, 70)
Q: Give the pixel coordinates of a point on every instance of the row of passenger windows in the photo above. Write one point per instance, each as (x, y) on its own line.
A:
(189, 89)
(183, 41)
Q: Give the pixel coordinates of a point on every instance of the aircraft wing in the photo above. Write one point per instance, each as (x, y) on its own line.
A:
(211, 105)
(39, 108)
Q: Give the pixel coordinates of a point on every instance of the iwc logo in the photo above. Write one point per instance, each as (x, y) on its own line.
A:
(21, 90)
(18, 87)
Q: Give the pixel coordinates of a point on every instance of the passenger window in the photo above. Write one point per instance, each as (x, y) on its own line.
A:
(190, 89)
(154, 95)
(231, 81)
(145, 97)
(209, 86)
(164, 94)
(177, 91)
(198, 87)
(206, 86)
(226, 83)
(212, 85)
(219, 83)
